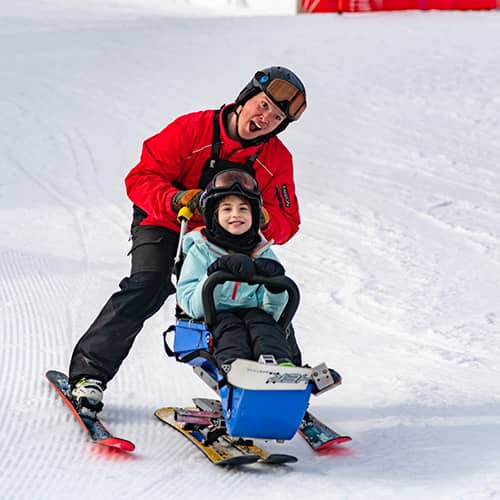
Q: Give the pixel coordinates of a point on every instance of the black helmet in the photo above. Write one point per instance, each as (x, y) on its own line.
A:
(225, 183)
(283, 87)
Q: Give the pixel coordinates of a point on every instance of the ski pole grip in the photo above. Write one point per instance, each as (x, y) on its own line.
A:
(184, 214)
(183, 217)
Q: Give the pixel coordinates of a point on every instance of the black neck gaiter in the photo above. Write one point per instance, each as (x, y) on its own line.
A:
(241, 243)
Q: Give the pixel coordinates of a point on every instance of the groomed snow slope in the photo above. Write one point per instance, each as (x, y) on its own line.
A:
(398, 257)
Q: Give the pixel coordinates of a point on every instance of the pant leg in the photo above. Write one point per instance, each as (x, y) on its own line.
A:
(102, 349)
(293, 346)
(266, 335)
(230, 338)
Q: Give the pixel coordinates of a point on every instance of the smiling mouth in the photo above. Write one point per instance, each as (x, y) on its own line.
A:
(254, 127)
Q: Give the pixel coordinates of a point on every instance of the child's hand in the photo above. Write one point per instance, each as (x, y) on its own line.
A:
(269, 267)
(239, 265)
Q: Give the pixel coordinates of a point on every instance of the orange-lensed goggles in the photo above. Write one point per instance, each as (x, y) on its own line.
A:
(228, 178)
(280, 90)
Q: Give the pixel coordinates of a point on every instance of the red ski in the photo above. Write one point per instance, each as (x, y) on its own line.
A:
(94, 427)
(318, 435)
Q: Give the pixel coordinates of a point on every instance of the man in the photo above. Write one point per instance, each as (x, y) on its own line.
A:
(174, 168)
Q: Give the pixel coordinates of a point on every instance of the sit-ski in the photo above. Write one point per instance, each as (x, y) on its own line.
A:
(257, 400)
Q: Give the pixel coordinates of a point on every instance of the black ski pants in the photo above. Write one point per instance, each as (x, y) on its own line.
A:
(248, 333)
(101, 350)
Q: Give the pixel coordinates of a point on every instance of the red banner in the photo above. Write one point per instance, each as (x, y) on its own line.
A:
(313, 6)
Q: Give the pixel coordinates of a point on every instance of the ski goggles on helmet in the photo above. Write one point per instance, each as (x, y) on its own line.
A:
(228, 178)
(285, 94)
(228, 182)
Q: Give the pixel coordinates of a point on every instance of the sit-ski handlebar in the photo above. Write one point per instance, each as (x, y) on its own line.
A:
(283, 282)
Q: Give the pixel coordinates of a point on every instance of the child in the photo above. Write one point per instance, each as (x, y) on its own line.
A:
(246, 321)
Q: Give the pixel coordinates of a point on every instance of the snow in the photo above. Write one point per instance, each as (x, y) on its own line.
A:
(397, 259)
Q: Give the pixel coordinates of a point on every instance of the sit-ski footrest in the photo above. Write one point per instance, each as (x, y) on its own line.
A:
(265, 401)
(323, 379)
(247, 374)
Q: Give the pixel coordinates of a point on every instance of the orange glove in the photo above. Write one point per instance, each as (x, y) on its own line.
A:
(264, 218)
(189, 198)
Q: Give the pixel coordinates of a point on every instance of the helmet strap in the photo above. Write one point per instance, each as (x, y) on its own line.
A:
(237, 113)
(259, 140)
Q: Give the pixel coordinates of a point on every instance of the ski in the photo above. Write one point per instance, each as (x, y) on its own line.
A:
(213, 406)
(318, 435)
(265, 457)
(206, 429)
(217, 451)
(94, 427)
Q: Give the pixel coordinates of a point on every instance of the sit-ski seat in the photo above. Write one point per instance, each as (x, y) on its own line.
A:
(258, 400)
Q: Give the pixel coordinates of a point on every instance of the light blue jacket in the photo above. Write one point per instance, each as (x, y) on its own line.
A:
(199, 253)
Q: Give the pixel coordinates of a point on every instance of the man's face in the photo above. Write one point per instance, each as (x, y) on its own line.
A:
(259, 116)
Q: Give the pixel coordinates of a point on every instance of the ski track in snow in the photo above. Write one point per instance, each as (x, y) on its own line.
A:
(397, 260)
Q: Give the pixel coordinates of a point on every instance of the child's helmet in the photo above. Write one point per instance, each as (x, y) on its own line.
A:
(283, 87)
(225, 183)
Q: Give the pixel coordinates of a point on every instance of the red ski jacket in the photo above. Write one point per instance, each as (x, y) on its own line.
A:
(174, 158)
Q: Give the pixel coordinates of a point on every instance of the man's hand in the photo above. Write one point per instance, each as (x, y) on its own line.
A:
(264, 218)
(189, 198)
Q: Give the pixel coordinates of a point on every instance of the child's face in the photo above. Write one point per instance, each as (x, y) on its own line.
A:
(234, 214)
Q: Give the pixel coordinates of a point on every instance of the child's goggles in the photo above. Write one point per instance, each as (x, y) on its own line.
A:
(228, 178)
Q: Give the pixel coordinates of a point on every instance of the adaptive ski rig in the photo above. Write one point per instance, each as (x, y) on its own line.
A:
(258, 400)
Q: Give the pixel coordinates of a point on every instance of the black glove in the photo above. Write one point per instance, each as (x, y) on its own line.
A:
(241, 266)
(269, 267)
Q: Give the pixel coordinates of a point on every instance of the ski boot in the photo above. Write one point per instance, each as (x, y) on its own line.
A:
(87, 397)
